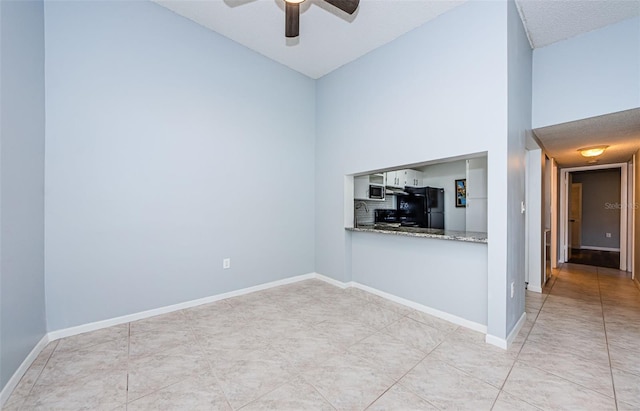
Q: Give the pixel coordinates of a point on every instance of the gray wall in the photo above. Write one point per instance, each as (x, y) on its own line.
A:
(436, 96)
(600, 207)
(22, 122)
(167, 151)
(412, 268)
(588, 75)
(519, 60)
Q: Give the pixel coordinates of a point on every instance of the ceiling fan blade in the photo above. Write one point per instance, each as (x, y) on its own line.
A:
(348, 6)
(292, 19)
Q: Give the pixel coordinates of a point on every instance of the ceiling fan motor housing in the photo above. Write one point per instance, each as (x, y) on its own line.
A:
(292, 13)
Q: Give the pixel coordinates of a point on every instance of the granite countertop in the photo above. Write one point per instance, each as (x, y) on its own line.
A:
(468, 236)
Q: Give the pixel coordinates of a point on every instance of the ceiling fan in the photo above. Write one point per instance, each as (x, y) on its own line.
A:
(292, 13)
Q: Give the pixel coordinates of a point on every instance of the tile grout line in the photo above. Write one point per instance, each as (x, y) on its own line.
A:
(426, 354)
(405, 374)
(206, 358)
(126, 403)
(523, 343)
(318, 391)
(145, 356)
(606, 338)
(37, 378)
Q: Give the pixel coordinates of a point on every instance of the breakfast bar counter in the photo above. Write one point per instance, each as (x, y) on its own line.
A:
(467, 236)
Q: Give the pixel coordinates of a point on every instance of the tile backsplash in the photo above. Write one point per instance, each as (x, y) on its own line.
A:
(364, 217)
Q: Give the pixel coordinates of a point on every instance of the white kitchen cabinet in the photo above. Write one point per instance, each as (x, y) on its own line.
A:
(361, 186)
(412, 178)
(378, 178)
(393, 179)
(476, 209)
(402, 178)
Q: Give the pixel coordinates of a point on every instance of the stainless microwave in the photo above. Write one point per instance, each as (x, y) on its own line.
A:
(376, 191)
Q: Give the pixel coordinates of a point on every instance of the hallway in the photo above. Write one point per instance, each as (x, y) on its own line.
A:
(610, 259)
(583, 337)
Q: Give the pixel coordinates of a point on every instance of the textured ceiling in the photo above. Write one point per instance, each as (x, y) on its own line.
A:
(620, 131)
(549, 21)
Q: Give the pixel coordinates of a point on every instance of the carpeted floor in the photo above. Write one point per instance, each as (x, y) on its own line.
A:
(609, 259)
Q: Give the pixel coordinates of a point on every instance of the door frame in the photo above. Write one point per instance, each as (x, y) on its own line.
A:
(564, 209)
(569, 230)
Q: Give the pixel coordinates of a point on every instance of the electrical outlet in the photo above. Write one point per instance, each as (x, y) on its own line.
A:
(226, 263)
(513, 289)
(608, 235)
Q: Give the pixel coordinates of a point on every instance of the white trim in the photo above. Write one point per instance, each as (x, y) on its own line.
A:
(630, 214)
(564, 195)
(534, 288)
(333, 281)
(514, 332)
(555, 234)
(71, 331)
(22, 369)
(588, 247)
(68, 332)
(497, 341)
(425, 309)
(506, 343)
(624, 225)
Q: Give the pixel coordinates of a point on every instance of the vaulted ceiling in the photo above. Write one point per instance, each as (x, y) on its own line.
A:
(330, 38)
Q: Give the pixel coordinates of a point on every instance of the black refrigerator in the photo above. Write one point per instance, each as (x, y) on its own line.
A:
(421, 207)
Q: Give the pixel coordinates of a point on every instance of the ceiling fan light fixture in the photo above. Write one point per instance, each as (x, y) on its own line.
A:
(592, 151)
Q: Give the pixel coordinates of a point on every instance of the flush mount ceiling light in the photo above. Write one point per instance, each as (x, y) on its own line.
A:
(292, 13)
(592, 151)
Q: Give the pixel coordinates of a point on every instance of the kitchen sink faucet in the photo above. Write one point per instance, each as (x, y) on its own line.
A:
(357, 206)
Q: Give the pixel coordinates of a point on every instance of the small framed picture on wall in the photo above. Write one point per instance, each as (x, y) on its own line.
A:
(461, 192)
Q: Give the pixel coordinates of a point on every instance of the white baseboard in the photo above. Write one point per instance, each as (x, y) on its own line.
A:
(514, 333)
(594, 248)
(22, 369)
(506, 343)
(534, 288)
(497, 341)
(333, 281)
(71, 331)
(425, 309)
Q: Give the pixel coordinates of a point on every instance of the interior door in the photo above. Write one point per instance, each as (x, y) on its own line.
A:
(575, 217)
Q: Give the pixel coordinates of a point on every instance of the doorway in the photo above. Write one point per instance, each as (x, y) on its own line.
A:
(575, 218)
(593, 228)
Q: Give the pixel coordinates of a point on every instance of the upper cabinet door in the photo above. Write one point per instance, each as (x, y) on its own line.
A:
(477, 178)
(412, 178)
(394, 179)
(402, 178)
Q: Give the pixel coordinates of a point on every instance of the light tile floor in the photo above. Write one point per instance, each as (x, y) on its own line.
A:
(310, 345)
